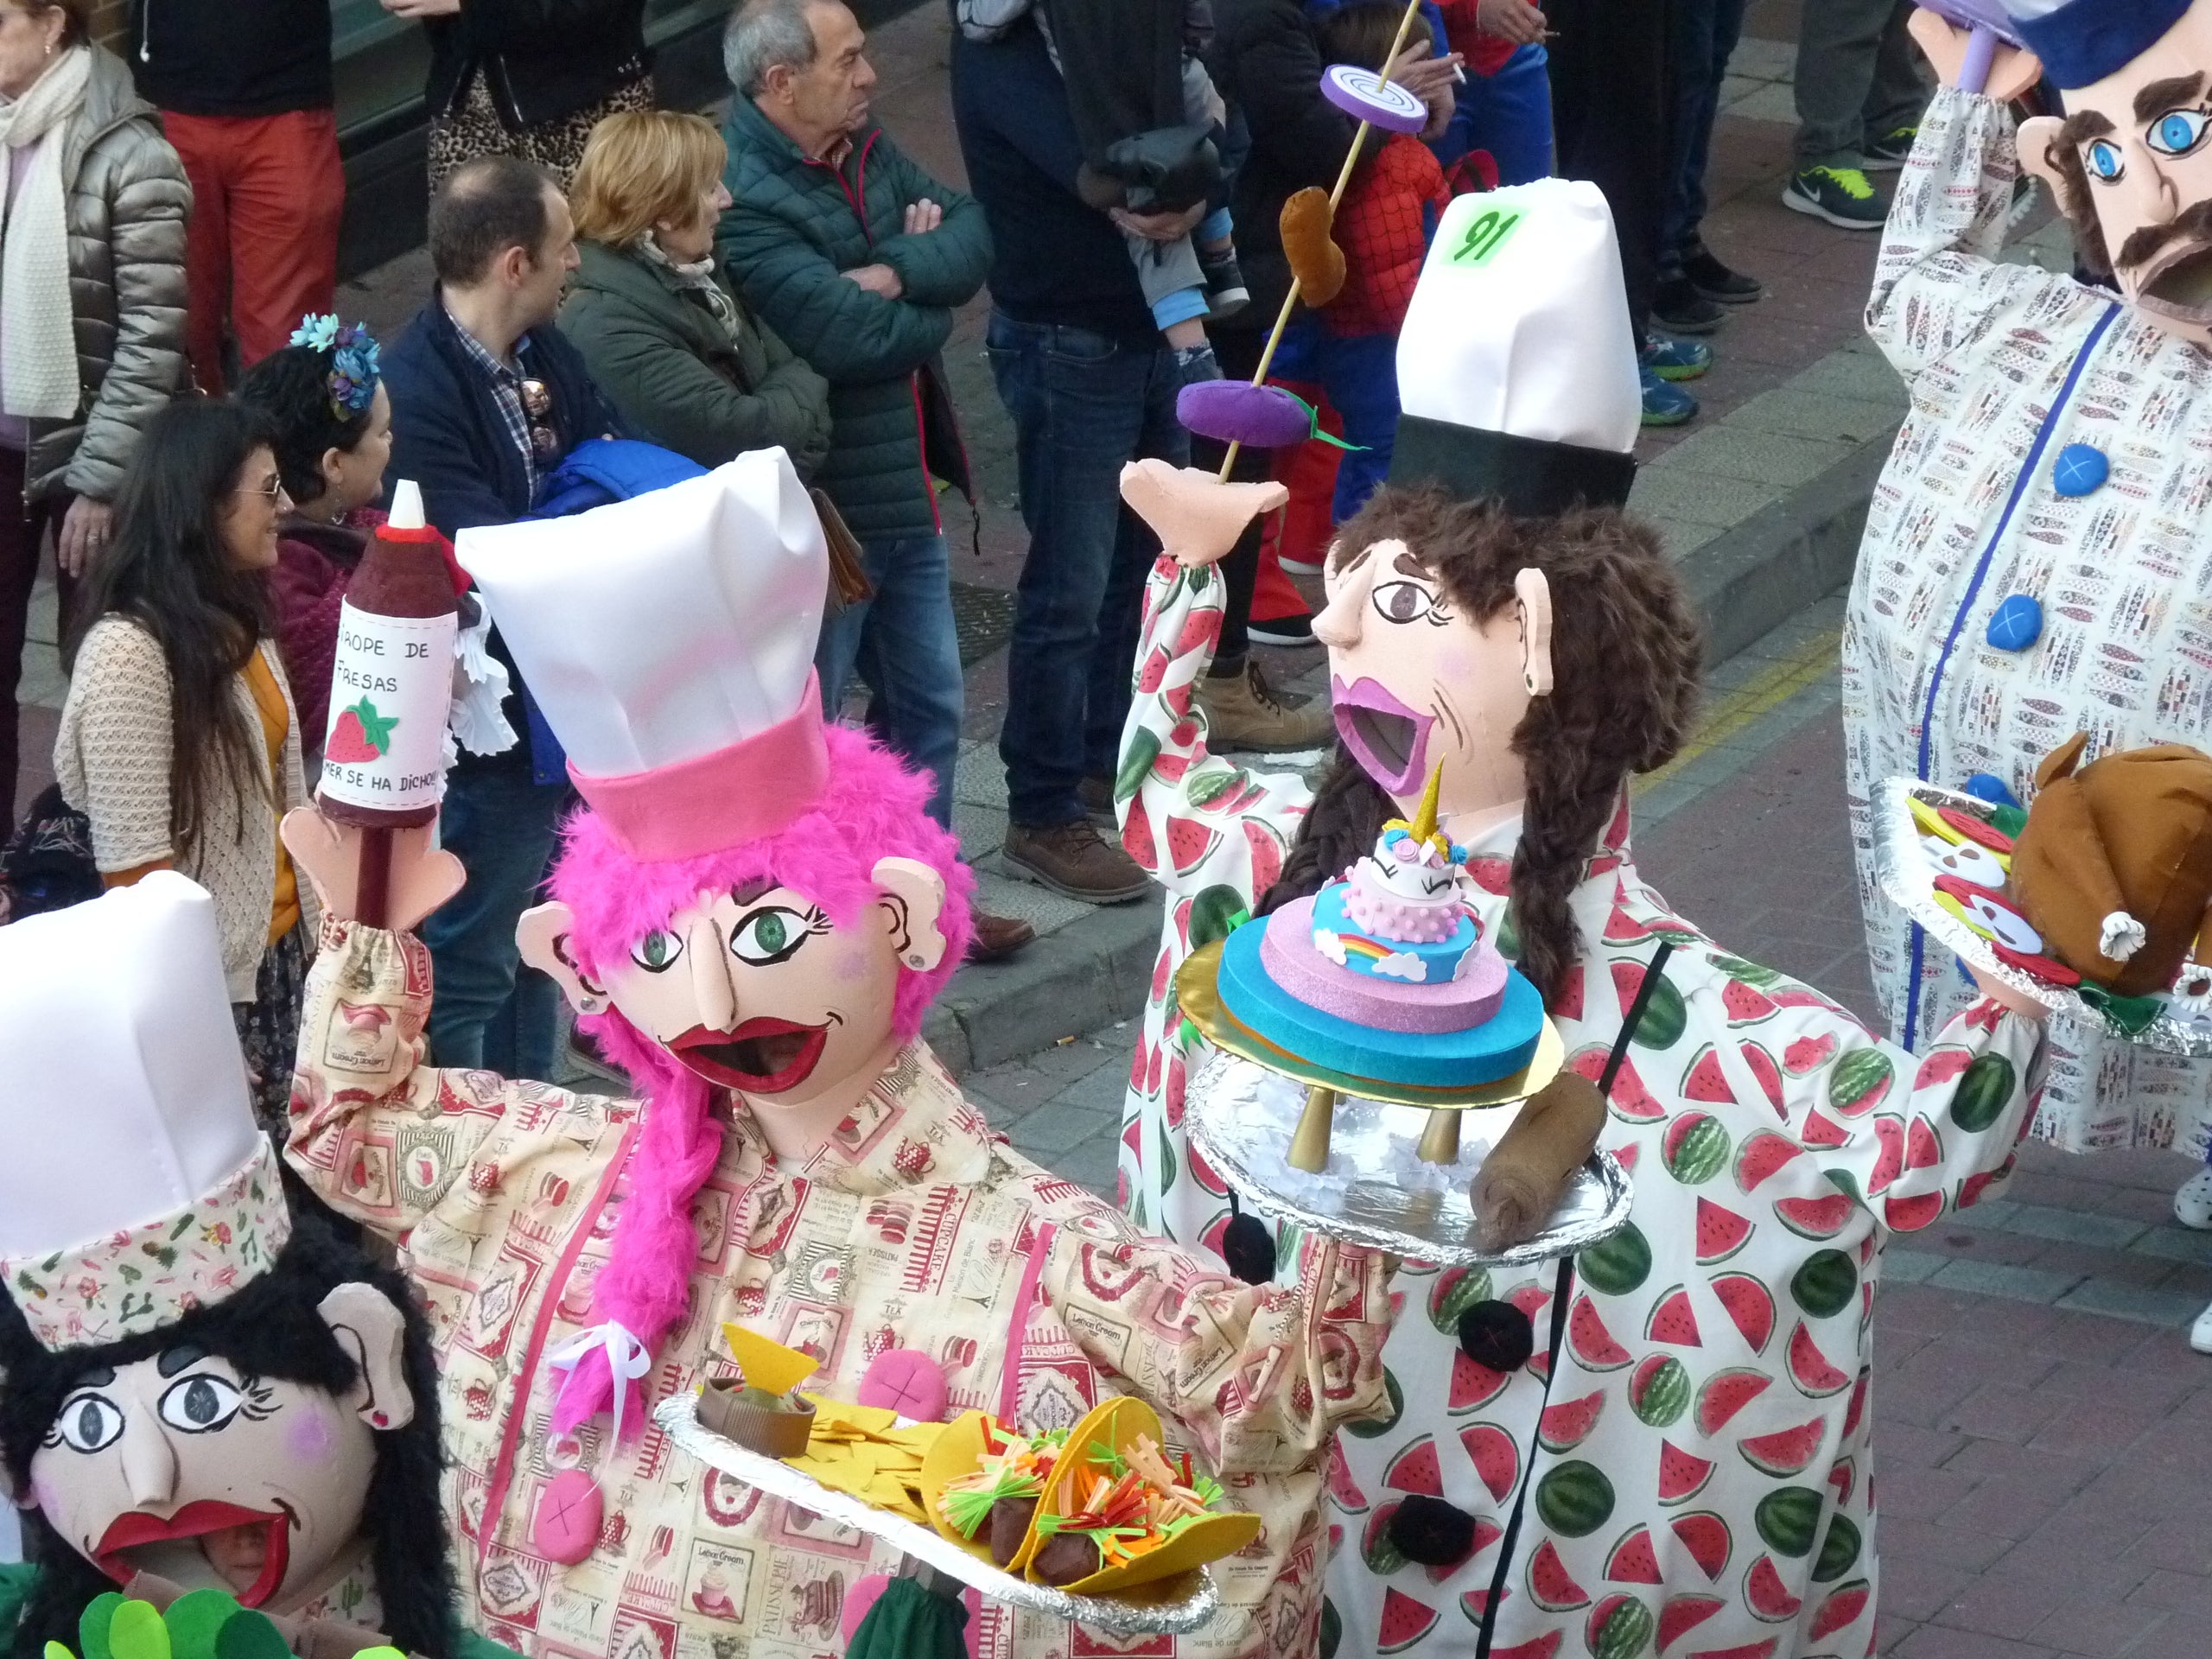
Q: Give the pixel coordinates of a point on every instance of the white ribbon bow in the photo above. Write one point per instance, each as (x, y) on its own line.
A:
(626, 1358)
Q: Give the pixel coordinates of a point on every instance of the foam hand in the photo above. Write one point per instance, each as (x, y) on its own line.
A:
(1197, 516)
(1315, 258)
(423, 876)
(1519, 1183)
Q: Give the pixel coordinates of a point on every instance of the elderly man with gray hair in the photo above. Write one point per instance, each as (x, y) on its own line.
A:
(856, 257)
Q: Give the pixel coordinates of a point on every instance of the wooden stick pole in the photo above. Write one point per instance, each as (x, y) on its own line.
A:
(372, 885)
(1336, 195)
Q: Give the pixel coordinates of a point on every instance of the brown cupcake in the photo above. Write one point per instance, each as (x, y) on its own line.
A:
(776, 1426)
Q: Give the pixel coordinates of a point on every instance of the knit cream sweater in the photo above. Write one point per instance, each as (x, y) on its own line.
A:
(112, 761)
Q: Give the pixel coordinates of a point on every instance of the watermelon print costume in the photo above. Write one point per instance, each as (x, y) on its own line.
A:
(1692, 1473)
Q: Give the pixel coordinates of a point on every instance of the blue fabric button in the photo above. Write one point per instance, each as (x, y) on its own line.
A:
(2018, 624)
(2080, 469)
(1988, 786)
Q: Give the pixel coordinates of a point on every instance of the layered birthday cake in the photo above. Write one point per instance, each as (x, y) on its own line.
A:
(1385, 973)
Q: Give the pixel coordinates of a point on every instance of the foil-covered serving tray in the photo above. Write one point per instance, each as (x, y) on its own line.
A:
(1174, 1607)
(1376, 1191)
(1905, 873)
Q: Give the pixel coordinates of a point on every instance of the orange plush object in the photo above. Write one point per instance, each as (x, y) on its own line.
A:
(2114, 867)
(1315, 259)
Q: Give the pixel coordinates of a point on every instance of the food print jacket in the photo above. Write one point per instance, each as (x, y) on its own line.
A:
(2024, 385)
(915, 1228)
(1692, 1471)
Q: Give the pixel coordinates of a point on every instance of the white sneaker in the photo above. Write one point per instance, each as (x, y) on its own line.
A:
(1298, 566)
(2200, 1334)
(2193, 1203)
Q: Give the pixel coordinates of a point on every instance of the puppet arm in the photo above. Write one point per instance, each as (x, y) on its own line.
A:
(1194, 821)
(380, 1136)
(1922, 1136)
(1258, 1376)
(1938, 285)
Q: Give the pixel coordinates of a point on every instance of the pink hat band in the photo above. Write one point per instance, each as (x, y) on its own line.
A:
(759, 786)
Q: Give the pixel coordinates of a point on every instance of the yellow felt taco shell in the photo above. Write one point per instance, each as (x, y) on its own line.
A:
(1117, 1424)
(957, 1451)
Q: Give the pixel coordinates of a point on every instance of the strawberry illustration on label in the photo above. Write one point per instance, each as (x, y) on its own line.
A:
(360, 734)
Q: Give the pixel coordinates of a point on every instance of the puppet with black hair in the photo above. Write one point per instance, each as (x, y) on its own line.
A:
(1672, 1437)
(2035, 559)
(208, 1393)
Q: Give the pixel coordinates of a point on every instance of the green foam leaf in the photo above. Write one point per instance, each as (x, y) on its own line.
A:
(93, 1622)
(195, 1620)
(56, 1650)
(136, 1632)
(249, 1635)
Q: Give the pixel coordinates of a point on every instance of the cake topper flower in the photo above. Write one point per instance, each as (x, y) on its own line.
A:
(354, 361)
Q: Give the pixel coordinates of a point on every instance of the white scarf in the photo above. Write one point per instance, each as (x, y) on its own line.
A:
(38, 343)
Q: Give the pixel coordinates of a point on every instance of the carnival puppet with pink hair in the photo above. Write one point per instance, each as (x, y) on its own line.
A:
(751, 914)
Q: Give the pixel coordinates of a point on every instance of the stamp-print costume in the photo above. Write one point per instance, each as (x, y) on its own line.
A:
(2012, 371)
(915, 1227)
(1695, 1463)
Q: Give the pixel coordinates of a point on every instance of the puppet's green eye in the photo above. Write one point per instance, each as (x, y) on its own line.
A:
(657, 952)
(768, 936)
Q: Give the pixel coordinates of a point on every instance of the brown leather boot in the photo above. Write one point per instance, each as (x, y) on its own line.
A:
(1243, 712)
(1075, 860)
(997, 937)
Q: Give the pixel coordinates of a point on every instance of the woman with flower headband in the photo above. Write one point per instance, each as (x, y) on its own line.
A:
(330, 427)
(179, 741)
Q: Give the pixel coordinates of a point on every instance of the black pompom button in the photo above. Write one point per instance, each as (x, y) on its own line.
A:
(1249, 1249)
(1429, 1532)
(1498, 1335)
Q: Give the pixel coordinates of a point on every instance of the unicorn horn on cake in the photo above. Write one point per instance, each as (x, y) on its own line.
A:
(1423, 832)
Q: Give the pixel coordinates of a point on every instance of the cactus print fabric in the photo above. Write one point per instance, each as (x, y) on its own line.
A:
(1692, 1473)
(2008, 366)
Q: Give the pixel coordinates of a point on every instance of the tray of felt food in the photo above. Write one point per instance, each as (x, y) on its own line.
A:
(1094, 1524)
(1945, 858)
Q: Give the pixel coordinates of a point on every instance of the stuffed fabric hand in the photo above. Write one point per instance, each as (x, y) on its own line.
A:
(1315, 259)
(1197, 516)
(1520, 1183)
(2012, 73)
(423, 876)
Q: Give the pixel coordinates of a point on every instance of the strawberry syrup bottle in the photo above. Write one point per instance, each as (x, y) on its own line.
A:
(391, 692)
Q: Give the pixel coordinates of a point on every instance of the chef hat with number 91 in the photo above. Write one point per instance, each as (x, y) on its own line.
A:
(1516, 367)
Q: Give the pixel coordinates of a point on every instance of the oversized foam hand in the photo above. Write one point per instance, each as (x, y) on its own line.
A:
(423, 876)
(1197, 516)
(2011, 73)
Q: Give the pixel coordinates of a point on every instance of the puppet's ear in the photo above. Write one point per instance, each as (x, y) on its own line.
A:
(543, 933)
(913, 902)
(1533, 592)
(2033, 142)
(373, 1331)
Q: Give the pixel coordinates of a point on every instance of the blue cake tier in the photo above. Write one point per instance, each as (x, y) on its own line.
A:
(1481, 1054)
(1387, 959)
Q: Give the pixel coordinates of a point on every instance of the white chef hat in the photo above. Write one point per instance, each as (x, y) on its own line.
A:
(1516, 367)
(135, 1185)
(668, 641)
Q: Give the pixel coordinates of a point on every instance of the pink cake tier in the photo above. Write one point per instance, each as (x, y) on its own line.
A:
(1289, 958)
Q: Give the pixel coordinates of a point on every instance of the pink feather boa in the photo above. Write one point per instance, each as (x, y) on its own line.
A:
(873, 810)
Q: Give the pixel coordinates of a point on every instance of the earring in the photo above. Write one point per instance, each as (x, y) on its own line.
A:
(593, 1005)
(1529, 682)
(914, 960)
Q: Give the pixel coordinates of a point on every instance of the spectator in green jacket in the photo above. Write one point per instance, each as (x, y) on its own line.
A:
(658, 328)
(856, 258)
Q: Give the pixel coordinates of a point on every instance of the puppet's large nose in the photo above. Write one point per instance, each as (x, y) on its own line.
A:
(1339, 625)
(710, 986)
(148, 1461)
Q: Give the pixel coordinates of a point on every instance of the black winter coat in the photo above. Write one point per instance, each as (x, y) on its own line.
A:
(543, 59)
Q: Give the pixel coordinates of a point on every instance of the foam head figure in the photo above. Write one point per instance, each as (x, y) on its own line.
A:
(1517, 372)
(2132, 161)
(195, 1387)
(755, 905)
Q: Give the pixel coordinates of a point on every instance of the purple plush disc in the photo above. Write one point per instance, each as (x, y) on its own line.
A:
(1235, 412)
(1288, 955)
(1361, 94)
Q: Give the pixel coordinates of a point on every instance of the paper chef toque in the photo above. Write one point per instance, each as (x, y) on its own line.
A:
(2081, 42)
(669, 641)
(135, 1185)
(1517, 368)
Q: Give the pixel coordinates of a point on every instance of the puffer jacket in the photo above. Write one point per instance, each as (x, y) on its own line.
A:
(127, 203)
(667, 363)
(793, 225)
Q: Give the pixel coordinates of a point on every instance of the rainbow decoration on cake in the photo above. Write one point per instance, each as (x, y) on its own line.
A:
(1385, 973)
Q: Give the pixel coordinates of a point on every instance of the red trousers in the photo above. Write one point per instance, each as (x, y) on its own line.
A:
(261, 249)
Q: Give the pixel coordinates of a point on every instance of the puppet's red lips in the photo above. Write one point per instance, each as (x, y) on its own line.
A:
(764, 1055)
(137, 1529)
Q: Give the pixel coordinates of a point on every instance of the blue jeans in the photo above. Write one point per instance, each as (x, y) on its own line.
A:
(1509, 115)
(1082, 407)
(1360, 374)
(491, 1014)
(905, 646)
(1705, 33)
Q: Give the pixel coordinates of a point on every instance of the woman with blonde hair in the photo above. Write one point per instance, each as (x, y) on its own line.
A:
(663, 333)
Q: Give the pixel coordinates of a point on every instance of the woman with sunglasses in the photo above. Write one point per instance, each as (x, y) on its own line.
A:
(179, 741)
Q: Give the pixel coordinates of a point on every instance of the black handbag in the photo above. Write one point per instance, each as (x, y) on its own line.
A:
(1166, 170)
(48, 863)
